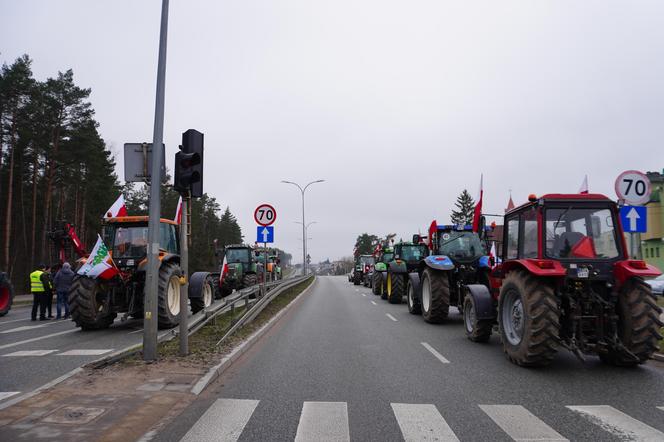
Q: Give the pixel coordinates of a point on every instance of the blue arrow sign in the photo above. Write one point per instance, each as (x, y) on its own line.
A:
(264, 234)
(634, 219)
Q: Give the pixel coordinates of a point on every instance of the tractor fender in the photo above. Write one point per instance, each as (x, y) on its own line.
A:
(163, 257)
(414, 279)
(196, 284)
(380, 266)
(484, 303)
(439, 262)
(396, 267)
(538, 267)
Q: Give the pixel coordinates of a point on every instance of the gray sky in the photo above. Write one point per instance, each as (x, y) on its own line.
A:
(397, 105)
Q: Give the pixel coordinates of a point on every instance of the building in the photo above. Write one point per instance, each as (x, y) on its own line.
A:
(652, 242)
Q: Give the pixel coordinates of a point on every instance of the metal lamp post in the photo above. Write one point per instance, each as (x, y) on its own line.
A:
(304, 225)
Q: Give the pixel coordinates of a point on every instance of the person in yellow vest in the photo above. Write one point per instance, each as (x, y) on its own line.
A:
(39, 286)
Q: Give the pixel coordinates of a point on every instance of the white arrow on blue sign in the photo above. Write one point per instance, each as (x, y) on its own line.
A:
(264, 234)
(634, 219)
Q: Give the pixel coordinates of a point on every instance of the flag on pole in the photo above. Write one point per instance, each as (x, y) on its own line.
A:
(117, 209)
(584, 185)
(433, 228)
(492, 253)
(99, 263)
(478, 207)
(224, 270)
(178, 212)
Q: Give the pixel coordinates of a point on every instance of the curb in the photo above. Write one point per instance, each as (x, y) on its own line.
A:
(216, 371)
(38, 390)
(658, 357)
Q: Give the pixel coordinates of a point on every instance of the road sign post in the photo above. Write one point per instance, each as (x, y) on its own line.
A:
(265, 215)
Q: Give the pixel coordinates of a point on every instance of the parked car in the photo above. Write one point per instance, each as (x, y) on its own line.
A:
(657, 285)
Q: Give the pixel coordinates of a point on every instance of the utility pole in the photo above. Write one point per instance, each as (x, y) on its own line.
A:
(152, 277)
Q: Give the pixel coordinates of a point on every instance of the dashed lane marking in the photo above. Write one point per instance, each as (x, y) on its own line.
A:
(7, 394)
(374, 302)
(420, 422)
(618, 423)
(520, 424)
(31, 353)
(27, 327)
(323, 421)
(223, 421)
(391, 317)
(85, 352)
(433, 351)
(364, 294)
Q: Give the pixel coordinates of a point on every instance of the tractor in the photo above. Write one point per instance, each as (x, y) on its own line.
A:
(363, 266)
(384, 255)
(458, 258)
(242, 269)
(566, 281)
(94, 303)
(6, 294)
(406, 259)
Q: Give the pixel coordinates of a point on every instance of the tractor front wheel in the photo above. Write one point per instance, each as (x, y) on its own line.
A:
(435, 295)
(395, 288)
(376, 283)
(477, 330)
(90, 304)
(528, 315)
(414, 306)
(168, 301)
(638, 327)
(205, 300)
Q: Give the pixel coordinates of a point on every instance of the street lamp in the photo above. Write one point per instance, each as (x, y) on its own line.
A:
(304, 225)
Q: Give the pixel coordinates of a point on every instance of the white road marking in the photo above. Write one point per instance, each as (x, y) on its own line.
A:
(38, 338)
(26, 327)
(135, 331)
(422, 422)
(433, 351)
(661, 408)
(618, 423)
(323, 421)
(30, 353)
(391, 317)
(6, 394)
(27, 318)
(85, 352)
(520, 424)
(374, 302)
(223, 421)
(364, 294)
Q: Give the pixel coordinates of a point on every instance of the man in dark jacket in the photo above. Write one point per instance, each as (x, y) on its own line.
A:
(40, 282)
(62, 283)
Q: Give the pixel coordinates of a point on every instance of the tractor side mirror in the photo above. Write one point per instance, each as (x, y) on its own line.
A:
(416, 239)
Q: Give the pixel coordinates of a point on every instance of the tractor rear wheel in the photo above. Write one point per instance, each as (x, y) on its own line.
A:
(638, 327)
(383, 285)
(168, 301)
(395, 288)
(376, 283)
(414, 306)
(477, 330)
(6, 295)
(249, 279)
(90, 304)
(528, 316)
(435, 295)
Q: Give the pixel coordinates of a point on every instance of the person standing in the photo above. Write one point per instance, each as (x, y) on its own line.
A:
(48, 292)
(39, 280)
(62, 283)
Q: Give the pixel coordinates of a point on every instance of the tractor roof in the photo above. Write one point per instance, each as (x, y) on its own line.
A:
(238, 246)
(137, 220)
(564, 197)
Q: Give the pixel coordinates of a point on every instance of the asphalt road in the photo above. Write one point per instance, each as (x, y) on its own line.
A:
(344, 364)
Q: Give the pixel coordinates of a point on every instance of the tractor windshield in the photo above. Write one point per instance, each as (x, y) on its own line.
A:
(387, 257)
(580, 233)
(460, 245)
(413, 252)
(237, 255)
(367, 260)
(130, 242)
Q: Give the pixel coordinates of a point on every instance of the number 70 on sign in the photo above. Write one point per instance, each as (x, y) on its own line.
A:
(265, 215)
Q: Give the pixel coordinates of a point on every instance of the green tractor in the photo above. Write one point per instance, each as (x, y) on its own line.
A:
(406, 259)
(379, 277)
(240, 270)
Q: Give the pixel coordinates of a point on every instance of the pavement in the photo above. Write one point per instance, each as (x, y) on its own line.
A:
(345, 365)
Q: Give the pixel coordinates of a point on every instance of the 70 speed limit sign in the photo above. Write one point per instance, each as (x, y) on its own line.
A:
(633, 187)
(265, 215)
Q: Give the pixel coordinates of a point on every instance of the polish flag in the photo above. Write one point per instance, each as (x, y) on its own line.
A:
(492, 253)
(117, 209)
(224, 269)
(478, 206)
(584, 186)
(433, 228)
(178, 213)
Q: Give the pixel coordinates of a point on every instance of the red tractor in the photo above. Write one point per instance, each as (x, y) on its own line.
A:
(566, 280)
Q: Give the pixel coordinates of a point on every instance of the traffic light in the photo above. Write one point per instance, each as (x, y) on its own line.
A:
(189, 164)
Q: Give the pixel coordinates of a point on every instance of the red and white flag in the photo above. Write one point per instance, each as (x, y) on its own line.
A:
(433, 228)
(584, 186)
(478, 206)
(492, 253)
(99, 264)
(224, 269)
(117, 209)
(178, 212)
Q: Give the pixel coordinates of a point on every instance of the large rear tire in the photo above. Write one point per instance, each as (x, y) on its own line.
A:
(638, 326)
(383, 285)
(90, 303)
(435, 296)
(6, 295)
(414, 306)
(198, 304)
(376, 283)
(249, 279)
(477, 330)
(168, 301)
(528, 316)
(395, 287)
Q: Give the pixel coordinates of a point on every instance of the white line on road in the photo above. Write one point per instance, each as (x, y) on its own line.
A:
(391, 317)
(618, 423)
(223, 421)
(135, 331)
(6, 394)
(30, 353)
(36, 391)
(38, 338)
(85, 352)
(26, 327)
(420, 422)
(661, 408)
(323, 421)
(433, 351)
(27, 318)
(374, 302)
(364, 294)
(520, 424)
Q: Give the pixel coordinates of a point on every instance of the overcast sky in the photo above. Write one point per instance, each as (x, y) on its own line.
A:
(398, 105)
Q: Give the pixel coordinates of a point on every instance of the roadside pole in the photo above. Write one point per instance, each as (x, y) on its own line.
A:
(265, 268)
(152, 279)
(184, 286)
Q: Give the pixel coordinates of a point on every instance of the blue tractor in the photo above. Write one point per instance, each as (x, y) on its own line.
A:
(458, 259)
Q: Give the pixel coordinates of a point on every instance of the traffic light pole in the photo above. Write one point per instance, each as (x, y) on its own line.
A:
(184, 288)
(152, 277)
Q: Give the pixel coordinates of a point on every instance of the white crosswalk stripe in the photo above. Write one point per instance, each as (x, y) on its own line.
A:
(222, 422)
(422, 422)
(323, 421)
(85, 352)
(8, 394)
(520, 424)
(618, 423)
(31, 353)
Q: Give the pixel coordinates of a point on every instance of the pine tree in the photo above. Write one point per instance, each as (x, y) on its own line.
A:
(465, 208)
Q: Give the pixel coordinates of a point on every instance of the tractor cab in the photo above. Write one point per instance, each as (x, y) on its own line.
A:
(410, 254)
(459, 243)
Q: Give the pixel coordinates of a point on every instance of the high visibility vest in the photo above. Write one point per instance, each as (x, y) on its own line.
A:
(36, 285)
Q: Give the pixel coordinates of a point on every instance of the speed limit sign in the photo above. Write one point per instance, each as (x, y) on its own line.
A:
(633, 187)
(265, 215)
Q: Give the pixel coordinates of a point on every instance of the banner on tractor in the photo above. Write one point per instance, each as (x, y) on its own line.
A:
(99, 263)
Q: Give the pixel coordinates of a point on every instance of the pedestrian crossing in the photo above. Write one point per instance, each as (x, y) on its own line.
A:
(226, 419)
(73, 352)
